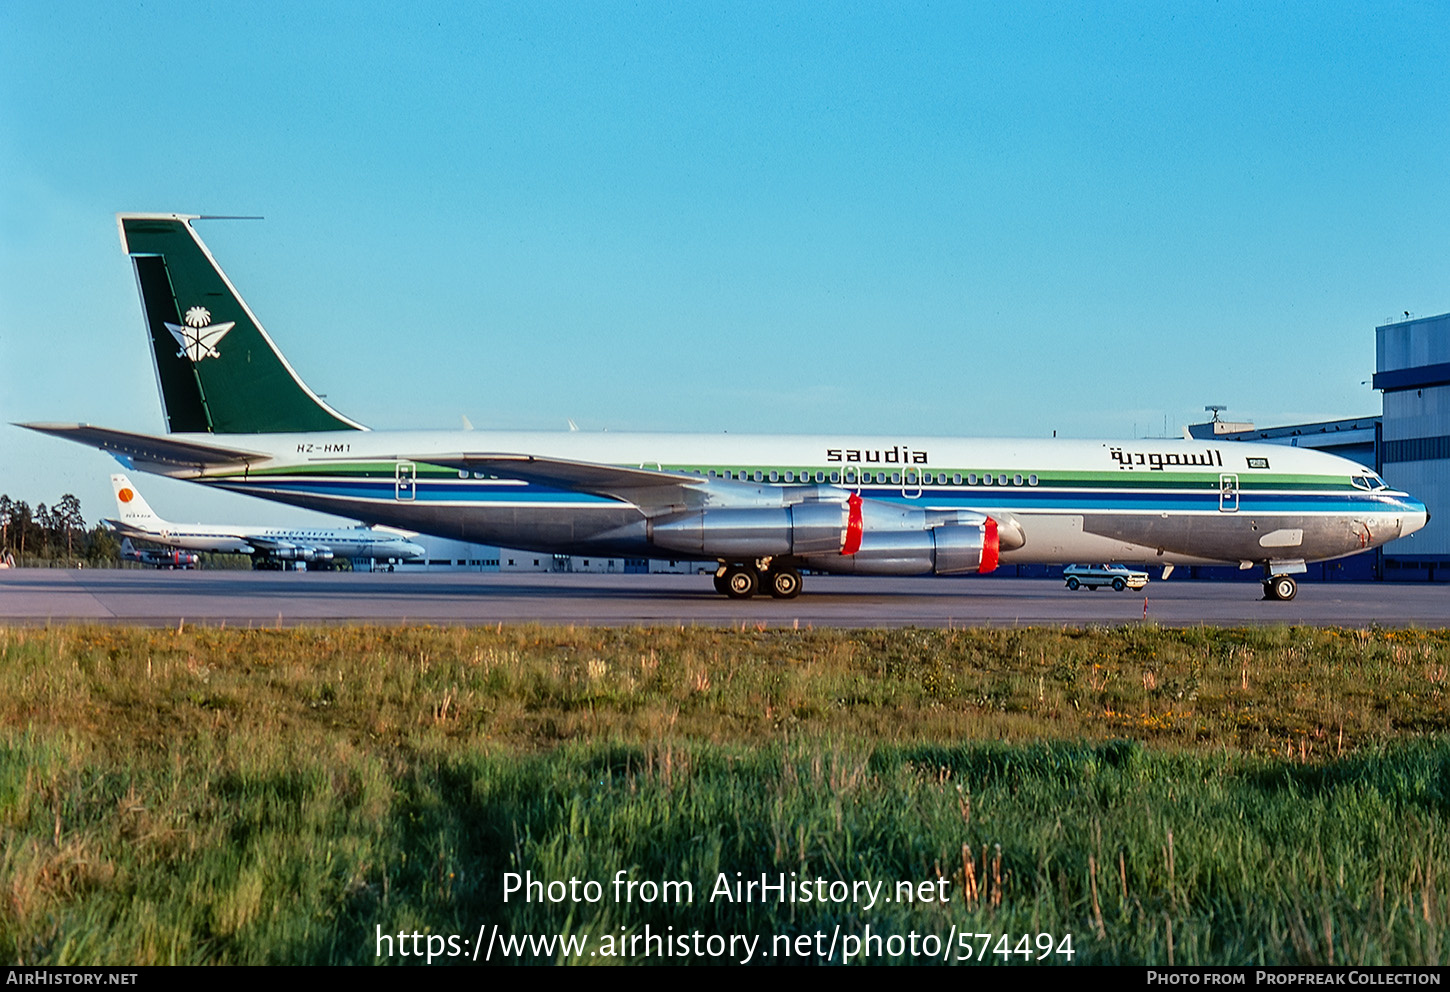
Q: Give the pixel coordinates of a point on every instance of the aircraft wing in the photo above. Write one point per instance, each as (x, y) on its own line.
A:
(660, 492)
(262, 543)
(645, 487)
(151, 448)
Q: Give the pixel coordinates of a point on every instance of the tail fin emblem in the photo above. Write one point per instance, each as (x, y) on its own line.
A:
(198, 337)
(125, 495)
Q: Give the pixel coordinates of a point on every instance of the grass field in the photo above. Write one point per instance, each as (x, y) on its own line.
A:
(1194, 796)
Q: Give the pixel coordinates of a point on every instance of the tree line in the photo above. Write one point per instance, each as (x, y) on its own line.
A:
(53, 534)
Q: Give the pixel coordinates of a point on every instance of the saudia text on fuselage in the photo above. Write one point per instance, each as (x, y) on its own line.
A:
(1157, 461)
(894, 455)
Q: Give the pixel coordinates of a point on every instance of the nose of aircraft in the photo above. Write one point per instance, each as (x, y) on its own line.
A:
(414, 551)
(1416, 516)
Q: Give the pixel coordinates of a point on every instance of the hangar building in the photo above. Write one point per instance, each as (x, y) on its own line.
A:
(1412, 370)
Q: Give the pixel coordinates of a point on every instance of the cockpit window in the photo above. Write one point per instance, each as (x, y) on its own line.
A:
(1368, 482)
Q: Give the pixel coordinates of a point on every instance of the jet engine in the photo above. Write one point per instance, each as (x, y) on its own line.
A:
(887, 539)
(855, 536)
(754, 532)
(292, 552)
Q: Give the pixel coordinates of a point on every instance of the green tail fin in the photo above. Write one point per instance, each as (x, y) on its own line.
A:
(218, 371)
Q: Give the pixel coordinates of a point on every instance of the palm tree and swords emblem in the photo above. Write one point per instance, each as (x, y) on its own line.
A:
(198, 336)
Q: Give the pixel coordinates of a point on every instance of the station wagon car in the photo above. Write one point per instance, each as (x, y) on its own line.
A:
(1120, 577)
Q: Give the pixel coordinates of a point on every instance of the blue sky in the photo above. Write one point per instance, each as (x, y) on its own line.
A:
(967, 219)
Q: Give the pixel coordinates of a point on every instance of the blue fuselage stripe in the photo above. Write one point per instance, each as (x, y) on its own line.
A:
(1025, 500)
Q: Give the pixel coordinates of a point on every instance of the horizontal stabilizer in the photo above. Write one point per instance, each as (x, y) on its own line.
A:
(166, 451)
(126, 530)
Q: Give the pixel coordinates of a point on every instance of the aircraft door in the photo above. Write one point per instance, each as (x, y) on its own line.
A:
(911, 484)
(405, 482)
(1228, 493)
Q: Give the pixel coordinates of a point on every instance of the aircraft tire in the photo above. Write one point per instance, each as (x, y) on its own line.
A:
(741, 581)
(720, 586)
(1284, 587)
(1073, 584)
(784, 583)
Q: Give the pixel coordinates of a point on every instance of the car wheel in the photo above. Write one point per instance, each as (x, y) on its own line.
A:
(1073, 584)
(1119, 585)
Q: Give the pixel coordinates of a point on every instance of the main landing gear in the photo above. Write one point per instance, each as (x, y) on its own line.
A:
(1281, 587)
(741, 580)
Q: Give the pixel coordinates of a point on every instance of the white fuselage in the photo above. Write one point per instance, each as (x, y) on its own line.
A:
(1168, 501)
(359, 542)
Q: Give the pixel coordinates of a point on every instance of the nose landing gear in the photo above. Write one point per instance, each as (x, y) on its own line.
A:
(1280, 587)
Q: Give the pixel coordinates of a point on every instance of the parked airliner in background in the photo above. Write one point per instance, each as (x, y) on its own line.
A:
(762, 507)
(269, 546)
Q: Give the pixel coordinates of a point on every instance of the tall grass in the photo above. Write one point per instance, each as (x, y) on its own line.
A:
(206, 795)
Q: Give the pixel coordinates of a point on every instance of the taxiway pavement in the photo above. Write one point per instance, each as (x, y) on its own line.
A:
(40, 596)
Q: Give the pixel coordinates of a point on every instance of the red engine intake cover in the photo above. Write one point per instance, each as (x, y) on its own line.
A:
(990, 548)
(855, 528)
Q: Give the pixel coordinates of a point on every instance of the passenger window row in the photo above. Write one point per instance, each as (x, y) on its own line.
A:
(853, 477)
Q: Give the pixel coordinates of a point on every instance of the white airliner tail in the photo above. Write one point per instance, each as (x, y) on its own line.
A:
(131, 506)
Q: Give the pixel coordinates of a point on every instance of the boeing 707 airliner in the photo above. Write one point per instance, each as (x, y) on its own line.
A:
(762, 508)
